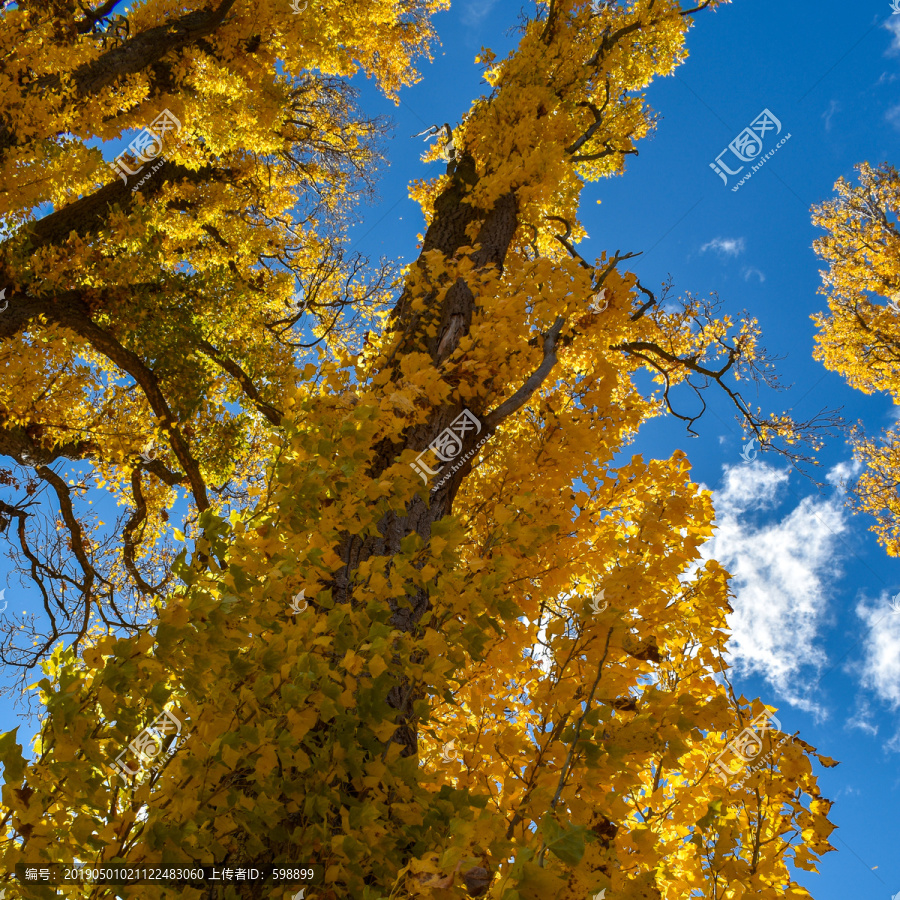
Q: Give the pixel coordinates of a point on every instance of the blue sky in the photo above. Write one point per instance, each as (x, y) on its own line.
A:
(813, 632)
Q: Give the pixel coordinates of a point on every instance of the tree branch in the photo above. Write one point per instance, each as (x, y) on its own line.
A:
(243, 379)
(132, 364)
(137, 53)
(535, 380)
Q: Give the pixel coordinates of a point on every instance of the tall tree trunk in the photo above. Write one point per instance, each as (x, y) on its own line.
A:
(446, 233)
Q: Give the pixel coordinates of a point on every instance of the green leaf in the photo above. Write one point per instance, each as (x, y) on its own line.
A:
(713, 811)
(565, 844)
(242, 582)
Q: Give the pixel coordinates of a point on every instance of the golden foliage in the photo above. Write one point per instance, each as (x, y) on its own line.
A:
(860, 337)
(584, 740)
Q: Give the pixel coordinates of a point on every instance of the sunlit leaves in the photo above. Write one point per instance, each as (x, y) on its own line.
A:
(860, 336)
(555, 750)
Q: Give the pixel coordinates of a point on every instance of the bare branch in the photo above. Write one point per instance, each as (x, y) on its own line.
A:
(598, 121)
(130, 533)
(132, 364)
(243, 379)
(534, 381)
(64, 497)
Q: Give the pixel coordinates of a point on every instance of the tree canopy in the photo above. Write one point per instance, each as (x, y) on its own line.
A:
(860, 337)
(402, 495)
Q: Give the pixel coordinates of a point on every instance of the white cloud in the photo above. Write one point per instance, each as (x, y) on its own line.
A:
(843, 473)
(862, 720)
(475, 13)
(881, 650)
(750, 270)
(833, 107)
(892, 116)
(845, 791)
(725, 246)
(749, 485)
(893, 26)
(782, 569)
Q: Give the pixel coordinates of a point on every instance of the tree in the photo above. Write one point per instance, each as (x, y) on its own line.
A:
(117, 341)
(860, 338)
(386, 652)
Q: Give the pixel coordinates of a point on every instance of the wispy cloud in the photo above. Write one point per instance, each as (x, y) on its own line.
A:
(893, 26)
(841, 475)
(781, 571)
(880, 671)
(828, 115)
(893, 116)
(862, 720)
(750, 271)
(475, 13)
(724, 246)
